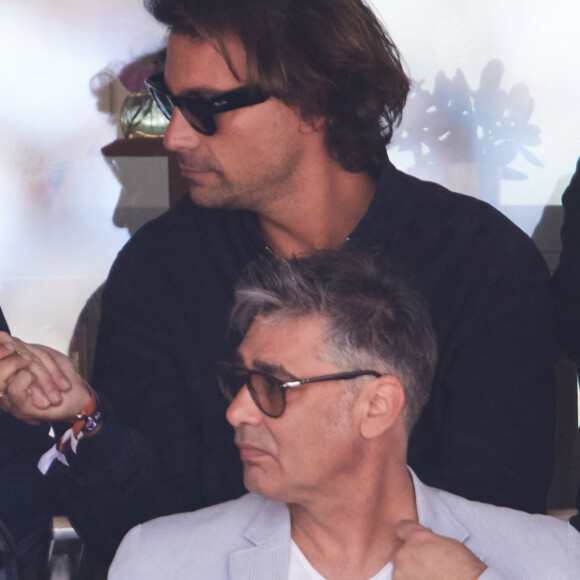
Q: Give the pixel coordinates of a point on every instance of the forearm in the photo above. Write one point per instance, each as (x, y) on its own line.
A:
(114, 481)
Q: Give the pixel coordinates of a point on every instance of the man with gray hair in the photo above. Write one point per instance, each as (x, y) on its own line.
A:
(333, 370)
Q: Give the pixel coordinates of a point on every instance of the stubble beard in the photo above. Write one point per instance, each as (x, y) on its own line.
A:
(254, 195)
(222, 195)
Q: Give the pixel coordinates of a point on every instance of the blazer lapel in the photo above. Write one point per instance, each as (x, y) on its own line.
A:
(437, 512)
(434, 513)
(267, 557)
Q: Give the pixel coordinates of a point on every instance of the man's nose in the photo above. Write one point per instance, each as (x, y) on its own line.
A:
(180, 135)
(242, 409)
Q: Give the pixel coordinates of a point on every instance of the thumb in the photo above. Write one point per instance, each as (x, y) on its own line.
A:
(406, 528)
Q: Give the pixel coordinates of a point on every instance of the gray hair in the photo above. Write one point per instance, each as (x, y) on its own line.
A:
(375, 319)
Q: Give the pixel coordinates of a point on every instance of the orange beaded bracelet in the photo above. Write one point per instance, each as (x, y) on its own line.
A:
(89, 418)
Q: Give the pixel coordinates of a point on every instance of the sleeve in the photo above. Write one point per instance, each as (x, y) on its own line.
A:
(573, 551)
(566, 278)
(26, 504)
(495, 403)
(127, 562)
(144, 462)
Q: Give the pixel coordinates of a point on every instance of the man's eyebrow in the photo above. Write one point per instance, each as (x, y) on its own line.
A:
(203, 92)
(273, 369)
(276, 370)
(193, 92)
(200, 93)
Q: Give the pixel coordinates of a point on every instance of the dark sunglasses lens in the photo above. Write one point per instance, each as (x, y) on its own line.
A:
(264, 390)
(202, 123)
(269, 394)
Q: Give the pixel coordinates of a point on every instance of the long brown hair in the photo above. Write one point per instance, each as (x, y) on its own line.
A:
(330, 58)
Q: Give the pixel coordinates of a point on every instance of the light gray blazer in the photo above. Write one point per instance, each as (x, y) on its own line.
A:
(249, 539)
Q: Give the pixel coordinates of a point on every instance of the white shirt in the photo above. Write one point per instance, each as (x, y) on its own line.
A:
(301, 569)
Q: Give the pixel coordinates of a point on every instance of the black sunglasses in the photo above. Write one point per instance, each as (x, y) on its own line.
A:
(199, 111)
(267, 391)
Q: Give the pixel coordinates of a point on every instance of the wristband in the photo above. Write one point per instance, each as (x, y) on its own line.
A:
(84, 423)
(89, 418)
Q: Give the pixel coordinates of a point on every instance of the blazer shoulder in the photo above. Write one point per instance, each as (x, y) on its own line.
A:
(199, 542)
(233, 516)
(516, 543)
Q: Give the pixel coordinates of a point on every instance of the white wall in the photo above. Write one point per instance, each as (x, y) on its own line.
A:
(57, 195)
(537, 43)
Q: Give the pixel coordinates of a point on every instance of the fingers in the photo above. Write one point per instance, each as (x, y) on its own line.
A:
(6, 340)
(57, 364)
(425, 554)
(17, 393)
(10, 363)
(416, 537)
(38, 383)
(406, 528)
(16, 355)
(61, 368)
(26, 400)
(8, 346)
(54, 372)
(48, 373)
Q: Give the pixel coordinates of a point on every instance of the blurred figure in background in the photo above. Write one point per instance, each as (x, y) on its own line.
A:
(566, 278)
(566, 292)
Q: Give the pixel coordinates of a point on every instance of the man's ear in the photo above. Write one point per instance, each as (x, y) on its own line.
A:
(380, 405)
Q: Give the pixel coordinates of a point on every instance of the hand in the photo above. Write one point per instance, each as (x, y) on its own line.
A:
(51, 380)
(38, 383)
(424, 554)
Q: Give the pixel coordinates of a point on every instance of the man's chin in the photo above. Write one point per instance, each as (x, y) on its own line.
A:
(212, 199)
(205, 197)
(251, 486)
(254, 483)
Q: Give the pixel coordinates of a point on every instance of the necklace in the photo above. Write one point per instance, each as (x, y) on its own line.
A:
(268, 249)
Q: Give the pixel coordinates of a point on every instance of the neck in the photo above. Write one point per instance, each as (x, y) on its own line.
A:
(353, 536)
(327, 205)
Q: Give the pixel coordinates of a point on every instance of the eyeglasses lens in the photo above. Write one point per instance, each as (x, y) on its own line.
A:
(203, 124)
(269, 395)
(167, 102)
(264, 390)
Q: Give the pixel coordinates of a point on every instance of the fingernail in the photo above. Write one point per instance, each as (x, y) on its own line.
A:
(25, 356)
(56, 399)
(45, 401)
